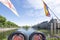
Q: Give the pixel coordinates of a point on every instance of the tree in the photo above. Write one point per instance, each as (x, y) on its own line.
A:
(11, 24)
(26, 27)
(2, 19)
(4, 23)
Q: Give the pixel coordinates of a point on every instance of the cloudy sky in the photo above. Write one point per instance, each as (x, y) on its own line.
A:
(30, 12)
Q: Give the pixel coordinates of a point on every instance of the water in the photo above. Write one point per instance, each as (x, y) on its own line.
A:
(4, 35)
(29, 31)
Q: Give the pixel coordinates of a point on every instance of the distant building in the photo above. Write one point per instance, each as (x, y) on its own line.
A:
(55, 21)
(47, 25)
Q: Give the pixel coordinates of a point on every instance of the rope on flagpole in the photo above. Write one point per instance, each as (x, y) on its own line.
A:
(52, 18)
(53, 12)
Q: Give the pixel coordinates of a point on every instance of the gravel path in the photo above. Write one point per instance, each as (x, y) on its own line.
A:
(6, 29)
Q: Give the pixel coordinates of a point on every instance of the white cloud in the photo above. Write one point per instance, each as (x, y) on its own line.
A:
(54, 5)
(58, 2)
(35, 13)
(37, 4)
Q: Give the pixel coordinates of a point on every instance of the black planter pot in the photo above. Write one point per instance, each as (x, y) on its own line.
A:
(34, 33)
(16, 33)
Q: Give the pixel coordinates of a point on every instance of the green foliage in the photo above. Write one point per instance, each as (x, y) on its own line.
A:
(10, 24)
(53, 38)
(2, 20)
(4, 35)
(26, 27)
(4, 23)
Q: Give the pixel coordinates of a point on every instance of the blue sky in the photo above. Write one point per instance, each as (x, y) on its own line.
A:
(30, 12)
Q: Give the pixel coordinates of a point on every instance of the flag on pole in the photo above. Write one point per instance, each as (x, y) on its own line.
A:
(46, 9)
(8, 4)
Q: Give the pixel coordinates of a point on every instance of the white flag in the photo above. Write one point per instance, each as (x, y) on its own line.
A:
(8, 4)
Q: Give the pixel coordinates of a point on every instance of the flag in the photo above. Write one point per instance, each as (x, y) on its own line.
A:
(46, 9)
(8, 4)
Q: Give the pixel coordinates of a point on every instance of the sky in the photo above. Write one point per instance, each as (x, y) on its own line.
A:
(30, 12)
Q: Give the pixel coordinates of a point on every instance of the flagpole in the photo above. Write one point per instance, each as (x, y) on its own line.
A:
(52, 12)
(54, 23)
(52, 18)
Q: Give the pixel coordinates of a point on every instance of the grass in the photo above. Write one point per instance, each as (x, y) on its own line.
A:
(4, 35)
(53, 38)
(46, 33)
(5, 39)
